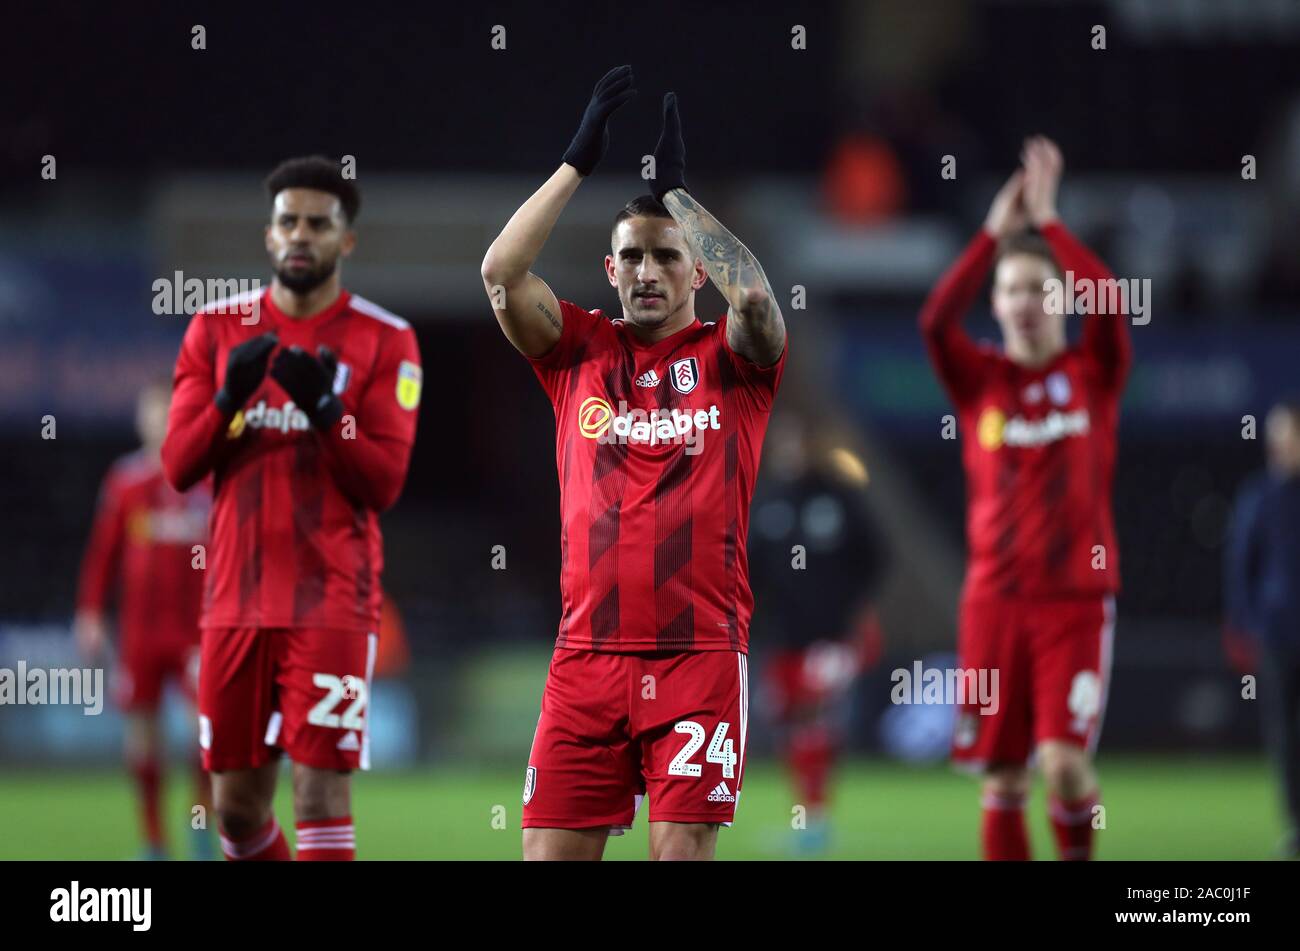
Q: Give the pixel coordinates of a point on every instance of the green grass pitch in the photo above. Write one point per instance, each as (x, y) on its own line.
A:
(1156, 808)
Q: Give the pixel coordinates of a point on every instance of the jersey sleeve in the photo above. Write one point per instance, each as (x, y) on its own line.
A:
(196, 429)
(555, 367)
(959, 363)
(1106, 344)
(760, 382)
(100, 563)
(369, 449)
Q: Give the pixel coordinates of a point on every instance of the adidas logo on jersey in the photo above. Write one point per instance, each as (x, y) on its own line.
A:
(648, 379)
(721, 793)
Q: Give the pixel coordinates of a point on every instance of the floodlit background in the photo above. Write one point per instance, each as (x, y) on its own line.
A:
(826, 162)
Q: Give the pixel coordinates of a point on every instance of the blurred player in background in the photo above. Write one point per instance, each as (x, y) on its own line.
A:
(1262, 574)
(306, 415)
(818, 559)
(1038, 422)
(659, 422)
(142, 547)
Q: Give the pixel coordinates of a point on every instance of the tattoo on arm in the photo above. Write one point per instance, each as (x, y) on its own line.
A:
(759, 331)
(555, 321)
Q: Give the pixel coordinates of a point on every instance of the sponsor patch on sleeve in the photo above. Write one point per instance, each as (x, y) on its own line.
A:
(409, 380)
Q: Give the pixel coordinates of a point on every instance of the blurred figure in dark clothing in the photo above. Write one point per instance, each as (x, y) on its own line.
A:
(1262, 588)
(817, 558)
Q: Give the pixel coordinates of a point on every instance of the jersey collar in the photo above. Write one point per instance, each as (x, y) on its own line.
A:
(280, 317)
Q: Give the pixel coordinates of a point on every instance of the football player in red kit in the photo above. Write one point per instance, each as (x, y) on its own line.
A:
(305, 411)
(659, 422)
(1038, 422)
(143, 548)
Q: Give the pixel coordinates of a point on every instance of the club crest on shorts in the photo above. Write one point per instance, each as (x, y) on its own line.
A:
(530, 783)
(684, 374)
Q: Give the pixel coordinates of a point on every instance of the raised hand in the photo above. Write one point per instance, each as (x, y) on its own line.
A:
(592, 141)
(670, 153)
(1043, 165)
(1007, 215)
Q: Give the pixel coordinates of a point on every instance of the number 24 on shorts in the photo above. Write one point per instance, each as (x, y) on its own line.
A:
(721, 750)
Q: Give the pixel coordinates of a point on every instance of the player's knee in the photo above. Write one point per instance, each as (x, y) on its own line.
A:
(140, 738)
(240, 813)
(683, 852)
(1067, 771)
(691, 843)
(320, 794)
(1007, 782)
(552, 845)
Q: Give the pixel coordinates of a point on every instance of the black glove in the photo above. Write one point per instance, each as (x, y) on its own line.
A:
(310, 381)
(670, 153)
(245, 370)
(589, 145)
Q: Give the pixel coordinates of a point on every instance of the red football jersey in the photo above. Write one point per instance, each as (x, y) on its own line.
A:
(1038, 445)
(295, 523)
(657, 447)
(142, 544)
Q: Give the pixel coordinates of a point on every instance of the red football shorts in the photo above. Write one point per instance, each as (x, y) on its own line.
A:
(301, 691)
(615, 727)
(143, 672)
(1053, 663)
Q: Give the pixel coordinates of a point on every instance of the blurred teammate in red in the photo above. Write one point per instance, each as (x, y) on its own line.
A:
(143, 548)
(1038, 422)
(659, 421)
(817, 560)
(305, 411)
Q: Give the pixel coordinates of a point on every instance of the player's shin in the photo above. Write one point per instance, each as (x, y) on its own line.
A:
(1002, 831)
(267, 844)
(1072, 825)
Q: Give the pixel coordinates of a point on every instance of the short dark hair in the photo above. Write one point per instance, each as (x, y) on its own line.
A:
(1026, 242)
(320, 174)
(643, 206)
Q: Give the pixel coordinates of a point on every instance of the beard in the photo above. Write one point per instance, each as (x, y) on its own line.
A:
(304, 282)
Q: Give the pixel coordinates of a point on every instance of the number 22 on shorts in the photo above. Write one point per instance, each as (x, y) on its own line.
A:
(345, 688)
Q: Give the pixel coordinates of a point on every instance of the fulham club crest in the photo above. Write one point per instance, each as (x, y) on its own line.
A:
(684, 375)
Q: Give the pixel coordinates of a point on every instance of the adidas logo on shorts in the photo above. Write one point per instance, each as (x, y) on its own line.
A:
(649, 379)
(721, 794)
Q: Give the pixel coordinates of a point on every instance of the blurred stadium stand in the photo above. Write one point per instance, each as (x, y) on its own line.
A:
(1153, 142)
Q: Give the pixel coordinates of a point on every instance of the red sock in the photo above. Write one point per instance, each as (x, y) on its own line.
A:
(1072, 826)
(1002, 831)
(148, 788)
(326, 840)
(811, 755)
(267, 844)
